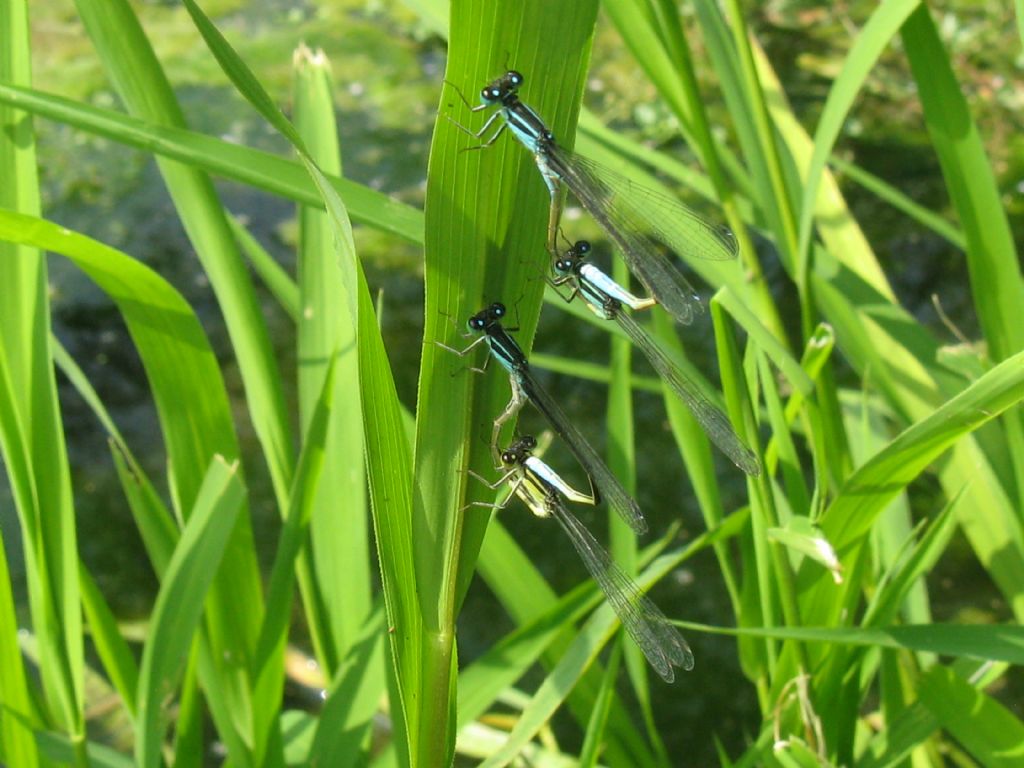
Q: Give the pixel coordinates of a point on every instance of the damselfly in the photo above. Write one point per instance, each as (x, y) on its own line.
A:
(525, 387)
(544, 492)
(633, 216)
(605, 298)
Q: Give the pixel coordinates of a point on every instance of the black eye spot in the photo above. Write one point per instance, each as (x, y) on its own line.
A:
(582, 247)
(476, 322)
(514, 78)
(508, 457)
(498, 309)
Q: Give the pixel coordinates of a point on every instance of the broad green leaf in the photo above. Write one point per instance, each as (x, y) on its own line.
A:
(486, 214)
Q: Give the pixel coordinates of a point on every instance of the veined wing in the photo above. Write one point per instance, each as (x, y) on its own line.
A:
(634, 217)
(602, 477)
(715, 423)
(660, 642)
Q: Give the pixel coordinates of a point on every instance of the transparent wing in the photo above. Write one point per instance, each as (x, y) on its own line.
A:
(715, 423)
(660, 642)
(601, 477)
(634, 217)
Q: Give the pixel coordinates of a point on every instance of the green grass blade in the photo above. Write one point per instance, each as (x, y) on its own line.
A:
(259, 169)
(992, 259)
(153, 520)
(179, 603)
(984, 642)
(32, 439)
(883, 25)
(889, 194)
(273, 275)
(868, 491)
(486, 215)
(991, 254)
(113, 650)
(59, 749)
(391, 495)
(132, 66)
(595, 732)
(19, 746)
(987, 729)
(338, 583)
(885, 605)
(268, 663)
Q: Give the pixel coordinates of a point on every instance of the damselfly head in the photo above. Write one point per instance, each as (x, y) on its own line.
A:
(572, 258)
(519, 450)
(486, 316)
(479, 321)
(500, 89)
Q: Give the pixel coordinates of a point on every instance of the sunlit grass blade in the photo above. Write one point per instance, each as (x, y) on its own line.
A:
(338, 586)
(873, 39)
(850, 516)
(118, 661)
(993, 263)
(154, 522)
(257, 168)
(273, 275)
(268, 663)
(991, 253)
(32, 445)
(179, 603)
(16, 726)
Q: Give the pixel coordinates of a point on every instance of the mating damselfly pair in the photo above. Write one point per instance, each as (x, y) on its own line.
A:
(636, 220)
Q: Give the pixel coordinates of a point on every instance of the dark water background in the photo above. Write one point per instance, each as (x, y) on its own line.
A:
(387, 71)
